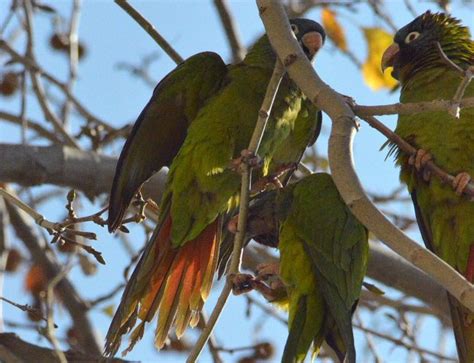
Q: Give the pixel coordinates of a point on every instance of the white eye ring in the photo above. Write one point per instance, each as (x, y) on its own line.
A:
(411, 37)
(295, 29)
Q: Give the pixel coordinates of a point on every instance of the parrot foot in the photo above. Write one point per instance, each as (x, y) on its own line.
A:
(419, 161)
(246, 157)
(460, 182)
(242, 283)
(261, 184)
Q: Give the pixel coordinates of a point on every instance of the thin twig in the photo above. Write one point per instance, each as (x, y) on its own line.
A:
(34, 67)
(73, 56)
(36, 82)
(467, 77)
(38, 218)
(49, 304)
(370, 342)
(410, 108)
(150, 29)
(235, 262)
(410, 150)
(230, 28)
(400, 342)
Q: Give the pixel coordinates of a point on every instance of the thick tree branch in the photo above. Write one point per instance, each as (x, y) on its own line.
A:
(86, 171)
(340, 156)
(15, 350)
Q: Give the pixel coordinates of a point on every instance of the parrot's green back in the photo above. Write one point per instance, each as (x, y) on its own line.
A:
(323, 260)
(201, 184)
(445, 219)
(161, 127)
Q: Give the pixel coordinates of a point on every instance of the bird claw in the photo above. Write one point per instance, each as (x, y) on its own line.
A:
(460, 182)
(419, 161)
(246, 157)
(261, 184)
(242, 283)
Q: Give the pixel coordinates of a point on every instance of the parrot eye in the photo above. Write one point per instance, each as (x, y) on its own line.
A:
(411, 37)
(295, 29)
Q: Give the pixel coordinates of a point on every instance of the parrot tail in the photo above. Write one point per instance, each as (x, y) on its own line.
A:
(306, 327)
(173, 281)
(463, 326)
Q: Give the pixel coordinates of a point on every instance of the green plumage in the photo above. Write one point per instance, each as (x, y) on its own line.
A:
(323, 260)
(445, 218)
(209, 120)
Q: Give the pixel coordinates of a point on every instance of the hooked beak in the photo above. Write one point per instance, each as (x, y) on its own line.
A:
(313, 41)
(390, 56)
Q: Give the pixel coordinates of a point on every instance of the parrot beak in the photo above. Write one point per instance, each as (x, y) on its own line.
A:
(389, 56)
(312, 41)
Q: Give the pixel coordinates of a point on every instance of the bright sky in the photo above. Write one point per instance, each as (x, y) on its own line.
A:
(111, 36)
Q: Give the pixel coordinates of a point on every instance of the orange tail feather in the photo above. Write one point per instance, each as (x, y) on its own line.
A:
(173, 281)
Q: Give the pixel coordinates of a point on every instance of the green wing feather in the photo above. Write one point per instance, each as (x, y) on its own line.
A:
(162, 126)
(320, 234)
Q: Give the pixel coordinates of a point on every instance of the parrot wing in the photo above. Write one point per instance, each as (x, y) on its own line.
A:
(338, 248)
(161, 127)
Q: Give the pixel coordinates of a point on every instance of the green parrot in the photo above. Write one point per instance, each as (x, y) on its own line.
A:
(323, 261)
(198, 121)
(443, 214)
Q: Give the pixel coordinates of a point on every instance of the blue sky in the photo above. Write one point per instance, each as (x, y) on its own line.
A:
(111, 36)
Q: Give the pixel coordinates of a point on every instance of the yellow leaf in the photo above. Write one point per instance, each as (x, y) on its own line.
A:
(377, 41)
(109, 310)
(334, 30)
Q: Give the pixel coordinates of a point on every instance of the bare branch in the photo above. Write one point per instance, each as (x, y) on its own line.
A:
(410, 108)
(37, 84)
(33, 67)
(15, 350)
(86, 171)
(70, 298)
(410, 150)
(150, 29)
(230, 28)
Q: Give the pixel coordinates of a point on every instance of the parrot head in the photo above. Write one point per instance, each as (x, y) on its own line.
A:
(309, 34)
(415, 45)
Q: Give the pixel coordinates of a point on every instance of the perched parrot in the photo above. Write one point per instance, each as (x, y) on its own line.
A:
(323, 261)
(198, 121)
(443, 214)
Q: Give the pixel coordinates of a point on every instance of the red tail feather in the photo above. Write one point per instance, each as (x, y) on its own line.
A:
(180, 280)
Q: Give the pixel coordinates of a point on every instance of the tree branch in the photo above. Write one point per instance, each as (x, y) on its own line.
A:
(150, 29)
(76, 307)
(230, 28)
(87, 171)
(410, 108)
(340, 156)
(15, 350)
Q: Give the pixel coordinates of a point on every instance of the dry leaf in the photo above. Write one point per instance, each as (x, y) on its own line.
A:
(377, 41)
(109, 310)
(35, 280)
(333, 28)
